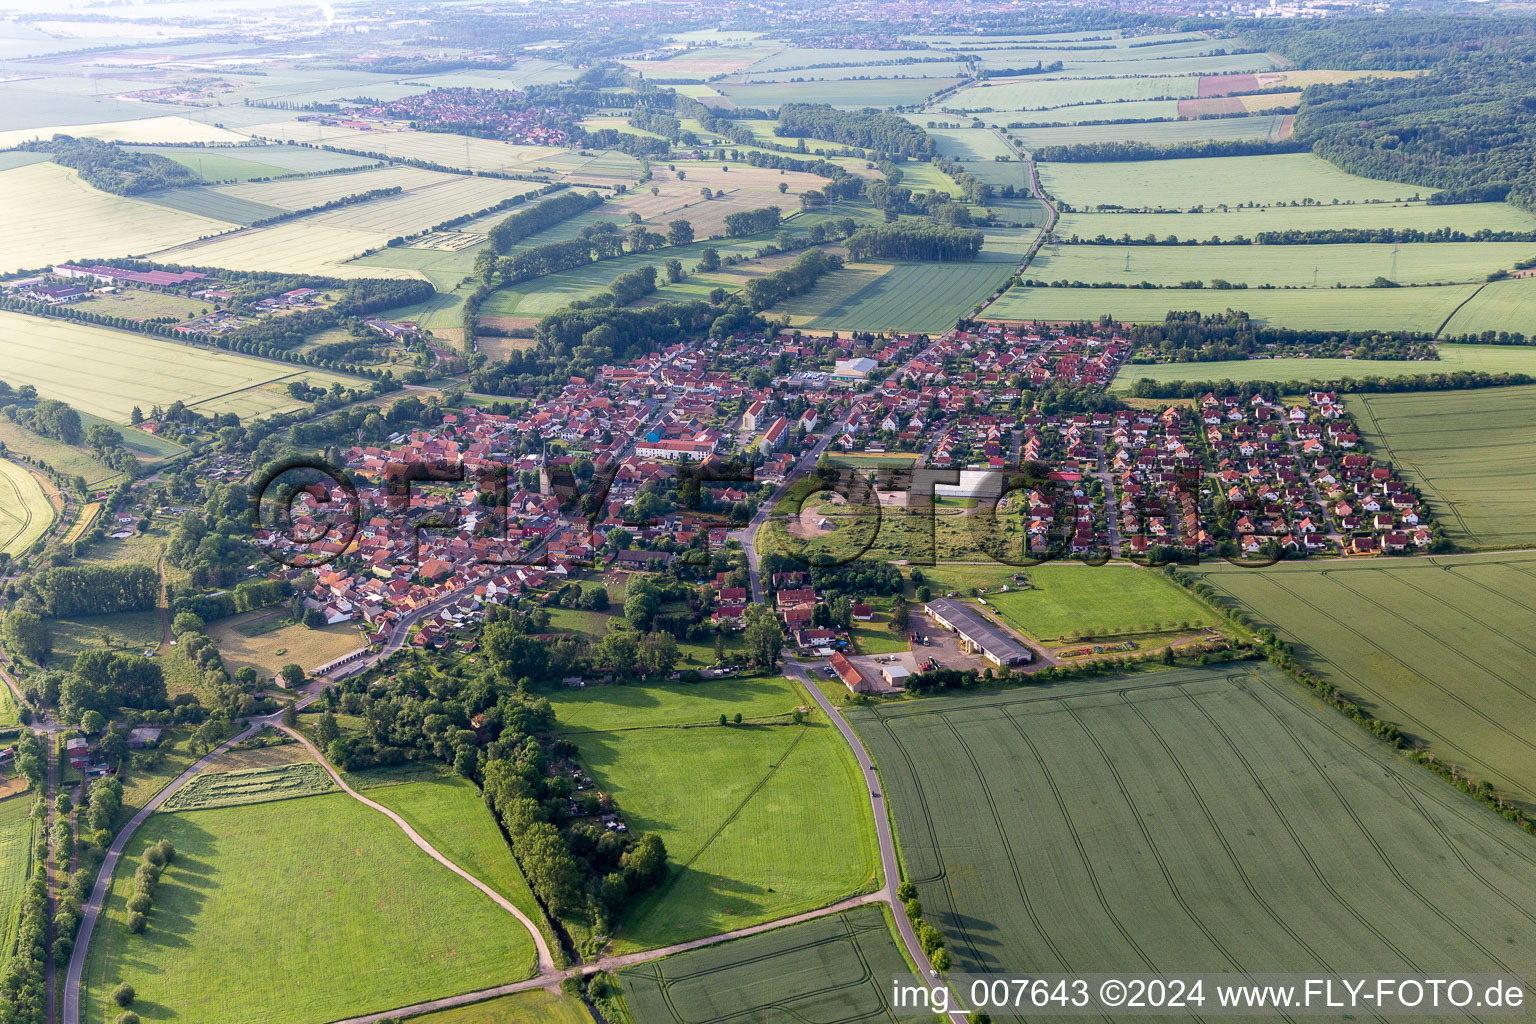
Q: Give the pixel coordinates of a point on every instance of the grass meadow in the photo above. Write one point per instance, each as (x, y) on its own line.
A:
(1210, 181)
(609, 708)
(1467, 452)
(25, 512)
(260, 895)
(1194, 820)
(449, 813)
(760, 821)
(1440, 647)
(1070, 601)
(1453, 358)
(107, 372)
(243, 641)
(834, 968)
(63, 457)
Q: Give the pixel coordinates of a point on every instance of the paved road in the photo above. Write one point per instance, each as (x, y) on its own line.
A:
(92, 908)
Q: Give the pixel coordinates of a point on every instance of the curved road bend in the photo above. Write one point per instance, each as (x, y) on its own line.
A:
(546, 961)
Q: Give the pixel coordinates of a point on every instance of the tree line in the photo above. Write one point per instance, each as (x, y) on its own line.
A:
(123, 172)
(886, 133)
(511, 230)
(906, 240)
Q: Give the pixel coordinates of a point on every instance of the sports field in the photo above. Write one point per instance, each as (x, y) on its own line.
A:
(927, 297)
(1467, 453)
(25, 513)
(760, 821)
(835, 968)
(1441, 647)
(1211, 181)
(1249, 221)
(56, 216)
(1198, 819)
(1068, 601)
(1388, 309)
(107, 372)
(1284, 266)
(1486, 358)
(259, 895)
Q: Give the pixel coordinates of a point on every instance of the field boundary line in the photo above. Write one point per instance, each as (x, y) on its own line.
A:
(1460, 304)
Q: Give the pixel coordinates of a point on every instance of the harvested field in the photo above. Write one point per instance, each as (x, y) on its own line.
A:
(55, 216)
(1191, 820)
(25, 513)
(145, 129)
(107, 372)
(1237, 104)
(250, 786)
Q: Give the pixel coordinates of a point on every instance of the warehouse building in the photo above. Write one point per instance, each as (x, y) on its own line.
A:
(978, 633)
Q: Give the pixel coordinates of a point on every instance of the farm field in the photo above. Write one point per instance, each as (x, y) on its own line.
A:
(1074, 113)
(1067, 601)
(64, 219)
(1235, 104)
(834, 968)
(926, 297)
(1438, 646)
(240, 163)
(1161, 133)
(253, 200)
(250, 786)
(309, 648)
(320, 243)
(1030, 94)
(1198, 819)
(168, 128)
(746, 846)
(362, 889)
(107, 372)
(605, 708)
(1498, 306)
(969, 144)
(874, 92)
(1284, 266)
(1467, 453)
(1487, 358)
(449, 813)
(462, 151)
(533, 1007)
(1469, 217)
(1211, 181)
(16, 829)
(1223, 85)
(25, 512)
(1388, 309)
